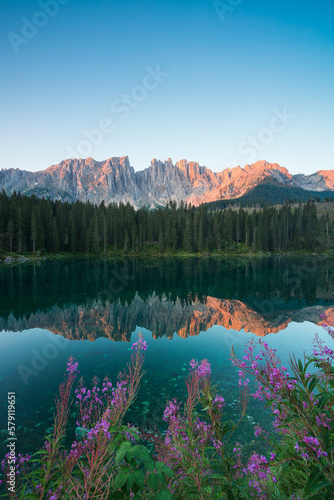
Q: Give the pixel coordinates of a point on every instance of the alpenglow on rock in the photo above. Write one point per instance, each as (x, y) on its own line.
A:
(115, 180)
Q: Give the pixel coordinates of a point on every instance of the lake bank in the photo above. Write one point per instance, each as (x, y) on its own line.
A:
(10, 259)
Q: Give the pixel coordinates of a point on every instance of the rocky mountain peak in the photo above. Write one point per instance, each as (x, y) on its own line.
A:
(115, 180)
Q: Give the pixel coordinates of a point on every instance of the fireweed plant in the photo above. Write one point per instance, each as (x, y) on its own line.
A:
(196, 456)
(106, 461)
(302, 404)
(197, 444)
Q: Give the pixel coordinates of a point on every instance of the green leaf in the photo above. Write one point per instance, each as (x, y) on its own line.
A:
(313, 481)
(145, 455)
(41, 452)
(164, 495)
(130, 481)
(114, 442)
(126, 444)
(135, 488)
(300, 365)
(120, 480)
(324, 398)
(158, 465)
(313, 383)
(139, 478)
(129, 454)
(153, 481)
(113, 428)
(162, 477)
(120, 454)
(140, 451)
(207, 490)
(168, 471)
(136, 451)
(149, 465)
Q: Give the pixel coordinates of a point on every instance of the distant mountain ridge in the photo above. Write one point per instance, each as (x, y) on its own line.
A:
(115, 180)
(271, 192)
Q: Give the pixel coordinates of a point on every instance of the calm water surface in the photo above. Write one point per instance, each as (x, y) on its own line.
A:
(93, 309)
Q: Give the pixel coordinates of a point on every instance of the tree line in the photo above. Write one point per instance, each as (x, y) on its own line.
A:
(30, 224)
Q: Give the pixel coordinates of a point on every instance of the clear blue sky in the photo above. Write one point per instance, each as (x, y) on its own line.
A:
(232, 73)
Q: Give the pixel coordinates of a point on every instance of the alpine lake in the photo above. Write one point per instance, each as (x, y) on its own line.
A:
(94, 308)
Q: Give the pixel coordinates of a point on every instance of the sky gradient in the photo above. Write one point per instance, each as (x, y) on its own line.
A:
(223, 84)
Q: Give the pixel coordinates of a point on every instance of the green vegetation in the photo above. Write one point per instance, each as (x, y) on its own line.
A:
(29, 224)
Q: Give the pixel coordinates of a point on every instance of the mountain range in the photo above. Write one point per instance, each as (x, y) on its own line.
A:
(115, 180)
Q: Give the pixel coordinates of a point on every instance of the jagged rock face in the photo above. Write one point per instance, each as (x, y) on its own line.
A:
(13, 178)
(327, 178)
(320, 181)
(72, 180)
(162, 182)
(234, 182)
(88, 180)
(114, 180)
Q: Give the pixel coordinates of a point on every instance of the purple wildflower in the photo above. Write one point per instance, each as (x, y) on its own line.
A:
(139, 344)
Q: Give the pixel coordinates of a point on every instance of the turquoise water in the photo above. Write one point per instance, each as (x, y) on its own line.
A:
(93, 309)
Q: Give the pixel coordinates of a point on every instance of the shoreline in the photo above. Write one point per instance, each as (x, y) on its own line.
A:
(10, 259)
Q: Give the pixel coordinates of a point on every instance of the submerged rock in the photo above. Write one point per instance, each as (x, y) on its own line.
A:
(9, 260)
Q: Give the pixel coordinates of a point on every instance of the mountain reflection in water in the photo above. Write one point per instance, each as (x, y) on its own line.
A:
(92, 298)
